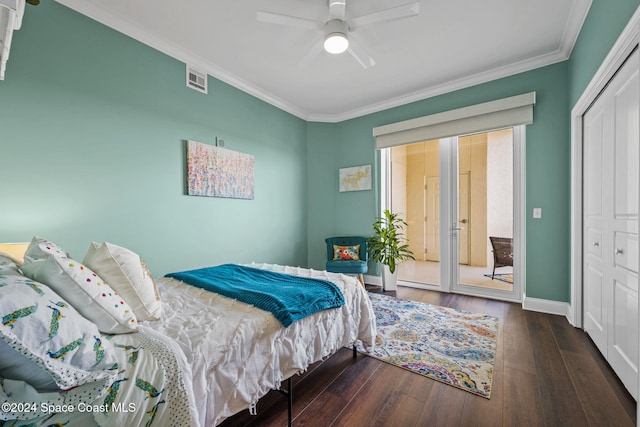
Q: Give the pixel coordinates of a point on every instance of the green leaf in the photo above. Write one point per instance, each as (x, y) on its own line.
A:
(388, 245)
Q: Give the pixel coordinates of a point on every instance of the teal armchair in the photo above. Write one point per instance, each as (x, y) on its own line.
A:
(348, 255)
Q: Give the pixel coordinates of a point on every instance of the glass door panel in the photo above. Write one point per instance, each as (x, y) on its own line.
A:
(415, 195)
(485, 210)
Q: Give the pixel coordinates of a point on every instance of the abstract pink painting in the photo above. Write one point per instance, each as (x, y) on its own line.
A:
(218, 172)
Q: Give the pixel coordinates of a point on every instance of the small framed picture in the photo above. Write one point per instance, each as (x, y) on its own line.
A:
(356, 178)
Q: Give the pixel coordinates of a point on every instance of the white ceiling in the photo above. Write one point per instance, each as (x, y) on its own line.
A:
(450, 45)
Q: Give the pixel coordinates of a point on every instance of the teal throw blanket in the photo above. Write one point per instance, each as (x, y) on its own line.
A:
(288, 297)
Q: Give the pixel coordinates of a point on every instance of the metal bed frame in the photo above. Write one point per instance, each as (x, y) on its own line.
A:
(289, 393)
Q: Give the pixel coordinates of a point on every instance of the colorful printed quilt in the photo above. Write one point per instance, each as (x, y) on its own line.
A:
(152, 387)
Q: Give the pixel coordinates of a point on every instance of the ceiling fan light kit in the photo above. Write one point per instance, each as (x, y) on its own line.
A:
(335, 39)
(338, 31)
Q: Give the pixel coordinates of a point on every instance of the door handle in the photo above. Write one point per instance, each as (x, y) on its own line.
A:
(463, 221)
(619, 251)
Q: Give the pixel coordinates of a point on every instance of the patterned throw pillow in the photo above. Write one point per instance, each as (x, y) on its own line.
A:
(46, 262)
(43, 340)
(346, 253)
(127, 273)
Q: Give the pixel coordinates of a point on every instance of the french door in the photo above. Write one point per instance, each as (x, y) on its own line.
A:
(447, 214)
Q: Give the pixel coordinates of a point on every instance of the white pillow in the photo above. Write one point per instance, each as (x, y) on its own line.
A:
(85, 290)
(127, 273)
(45, 341)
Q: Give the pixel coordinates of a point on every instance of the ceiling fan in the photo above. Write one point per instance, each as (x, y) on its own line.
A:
(337, 32)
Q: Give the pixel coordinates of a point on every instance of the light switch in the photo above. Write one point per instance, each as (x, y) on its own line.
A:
(537, 212)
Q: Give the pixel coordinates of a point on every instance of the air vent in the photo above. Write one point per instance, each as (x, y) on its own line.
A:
(196, 80)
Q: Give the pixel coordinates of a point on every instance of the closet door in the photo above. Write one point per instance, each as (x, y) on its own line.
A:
(623, 339)
(596, 296)
(611, 141)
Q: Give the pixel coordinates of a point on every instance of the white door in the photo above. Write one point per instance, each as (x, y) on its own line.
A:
(432, 219)
(611, 188)
(464, 213)
(595, 316)
(447, 225)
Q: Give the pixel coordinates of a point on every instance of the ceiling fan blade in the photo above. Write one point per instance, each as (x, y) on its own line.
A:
(360, 54)
(400, 12)
(337, 9)
(294, 21)
(312, 53)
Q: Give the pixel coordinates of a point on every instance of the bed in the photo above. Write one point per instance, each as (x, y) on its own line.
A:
(191, 357)
(249, 334)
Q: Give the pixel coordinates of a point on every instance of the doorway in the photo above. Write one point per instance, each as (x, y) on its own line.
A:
(473, 177)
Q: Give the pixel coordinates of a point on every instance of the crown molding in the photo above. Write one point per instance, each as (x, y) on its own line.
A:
(578, 14)
(465, 82)
(121, 25)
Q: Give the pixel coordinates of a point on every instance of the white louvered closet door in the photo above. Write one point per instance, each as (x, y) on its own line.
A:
(611, 189)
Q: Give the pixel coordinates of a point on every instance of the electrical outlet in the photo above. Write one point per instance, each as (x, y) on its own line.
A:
(537, 212)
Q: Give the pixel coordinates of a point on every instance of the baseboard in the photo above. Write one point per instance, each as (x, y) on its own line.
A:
(529, 303)
(546, 306)
(373, 280)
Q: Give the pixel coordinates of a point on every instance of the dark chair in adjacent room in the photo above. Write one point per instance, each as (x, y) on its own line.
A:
(348, 255)
(502, 252)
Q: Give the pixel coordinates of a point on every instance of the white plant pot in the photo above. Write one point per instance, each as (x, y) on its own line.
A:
(389, 280)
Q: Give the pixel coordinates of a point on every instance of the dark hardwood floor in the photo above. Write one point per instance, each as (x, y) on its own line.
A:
(547, 373)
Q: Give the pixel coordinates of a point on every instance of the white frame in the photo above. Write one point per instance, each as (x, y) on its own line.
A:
(360, 183)
(519, 230)
(448, 179)
(627, 42)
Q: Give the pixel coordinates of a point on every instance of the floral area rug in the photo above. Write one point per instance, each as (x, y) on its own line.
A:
(455, 347)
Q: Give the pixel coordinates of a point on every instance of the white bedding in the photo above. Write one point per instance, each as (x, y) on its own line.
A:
(238, 352)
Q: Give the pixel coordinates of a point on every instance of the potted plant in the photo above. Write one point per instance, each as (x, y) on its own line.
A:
(388, 247)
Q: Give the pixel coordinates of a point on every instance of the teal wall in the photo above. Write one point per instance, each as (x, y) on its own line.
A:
(547, 150)
(332, 213)
(92, 130)
(548, 158)
(603, 25)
